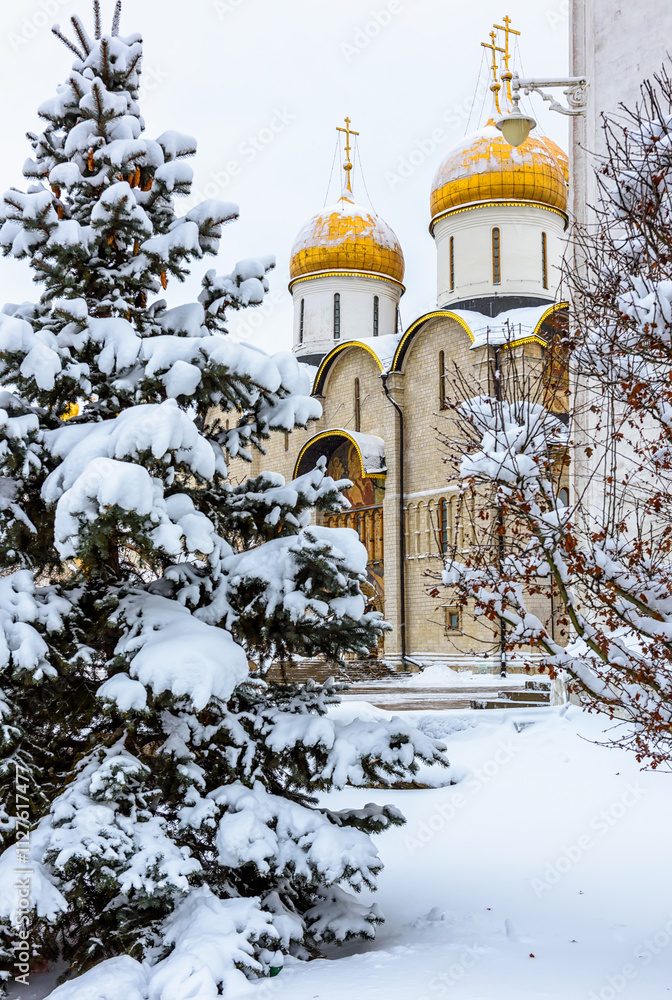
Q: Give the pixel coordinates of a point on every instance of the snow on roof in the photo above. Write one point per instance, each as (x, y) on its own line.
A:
(384, 348)
(371, 448)
(344, 221)
(513, 324)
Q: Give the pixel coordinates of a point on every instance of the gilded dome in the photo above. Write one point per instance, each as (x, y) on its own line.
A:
(484, 167)
(559, 154)
(346, 237)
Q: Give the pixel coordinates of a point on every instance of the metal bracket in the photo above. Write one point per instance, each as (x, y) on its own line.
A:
(574, 91)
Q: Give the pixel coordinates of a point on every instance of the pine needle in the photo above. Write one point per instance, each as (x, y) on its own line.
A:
(66, 41)
(117, 18)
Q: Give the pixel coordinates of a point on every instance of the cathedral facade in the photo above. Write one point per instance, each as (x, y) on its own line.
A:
(498, 216)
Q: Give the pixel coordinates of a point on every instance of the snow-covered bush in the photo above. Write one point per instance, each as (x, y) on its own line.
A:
(609, 554)
(168, 819)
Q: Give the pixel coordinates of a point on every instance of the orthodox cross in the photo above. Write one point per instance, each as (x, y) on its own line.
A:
(347, 166)
(507, 53)
(495, 88)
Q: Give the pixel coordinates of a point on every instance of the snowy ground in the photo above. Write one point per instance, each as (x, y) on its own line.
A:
(544, 872)
(548, 846)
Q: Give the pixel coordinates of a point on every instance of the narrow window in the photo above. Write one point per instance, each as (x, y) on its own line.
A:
(496, 258)
(442, 380)
(375, 315)
(544, 261)
(286, 440)
(358, 406)
(398, 321)
(452, 263)
(337, 316)
(303, 310)
(452, 619)
(563, 497)
(444, 526)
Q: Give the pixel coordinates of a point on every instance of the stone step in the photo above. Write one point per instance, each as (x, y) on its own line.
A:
(529, 694)
(490, 703)
(318, 670)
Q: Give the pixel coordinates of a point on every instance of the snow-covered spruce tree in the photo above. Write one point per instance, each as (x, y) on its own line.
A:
(175, 833)
(610, 552)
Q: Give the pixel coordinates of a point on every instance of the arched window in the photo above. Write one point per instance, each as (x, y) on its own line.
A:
(358, 406)
(443, 526)
(544, 261)
(563, 497)
(376, 315)
(496, 258)
(452, 263)
(303, 310)
(442, 380)
(337, 316)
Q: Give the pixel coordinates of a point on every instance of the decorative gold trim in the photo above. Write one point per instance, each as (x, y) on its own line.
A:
(347, 274)
(523, 340)
(437, 314)
(337, 432)
(534, 338)
(326, 361)
(556, 307)
(497, 203)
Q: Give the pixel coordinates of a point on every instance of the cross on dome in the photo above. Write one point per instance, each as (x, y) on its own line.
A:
(347, 166)
(496, 86)
(507, 53)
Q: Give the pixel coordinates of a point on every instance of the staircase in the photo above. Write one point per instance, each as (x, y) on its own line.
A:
(353, 672)
(533, 695)
(379, 684)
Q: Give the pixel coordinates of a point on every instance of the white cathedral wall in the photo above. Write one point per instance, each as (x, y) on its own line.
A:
(357, 293)
(521, 228)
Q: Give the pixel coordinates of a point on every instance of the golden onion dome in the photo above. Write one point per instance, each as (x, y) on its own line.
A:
(484, 167)
(559, 154)
(346, 237)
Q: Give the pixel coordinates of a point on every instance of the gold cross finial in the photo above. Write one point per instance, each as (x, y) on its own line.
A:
(507, 53)
(347, 166)
(495, 88)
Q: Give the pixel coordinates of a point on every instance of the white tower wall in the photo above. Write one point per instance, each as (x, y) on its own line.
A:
(520, 242)
(357, 292)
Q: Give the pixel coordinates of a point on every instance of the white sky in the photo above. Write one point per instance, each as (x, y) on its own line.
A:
(223, 71)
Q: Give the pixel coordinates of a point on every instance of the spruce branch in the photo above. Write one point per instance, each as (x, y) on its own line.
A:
(66, 41)
(116, 20)
(97, 23)
(80, 31)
